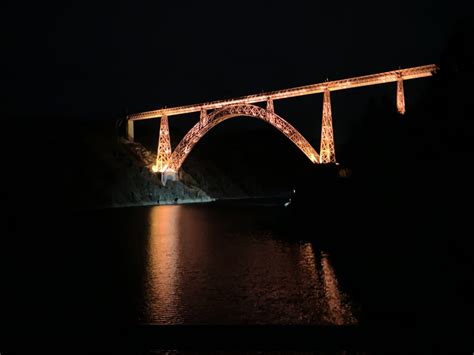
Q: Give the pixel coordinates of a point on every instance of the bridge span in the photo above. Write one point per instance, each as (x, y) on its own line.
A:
(168, 162)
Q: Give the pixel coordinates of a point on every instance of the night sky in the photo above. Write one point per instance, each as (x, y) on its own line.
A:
(96, 60)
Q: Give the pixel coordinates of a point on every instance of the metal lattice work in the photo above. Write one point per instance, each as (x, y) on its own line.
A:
(169, 163)
(400, 97)
(270, 108)
(164, 147)
(203, 117)
(366, 80)
(328, 152)
(214, 118)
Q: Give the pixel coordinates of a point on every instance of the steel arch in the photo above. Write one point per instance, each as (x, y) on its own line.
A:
(217, 116)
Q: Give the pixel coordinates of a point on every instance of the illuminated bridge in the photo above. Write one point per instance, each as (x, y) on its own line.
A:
(212, 113)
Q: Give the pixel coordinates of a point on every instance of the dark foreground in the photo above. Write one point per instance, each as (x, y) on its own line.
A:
(71, 279)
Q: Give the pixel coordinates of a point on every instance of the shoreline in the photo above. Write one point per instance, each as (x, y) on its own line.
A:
(244, 199)
(150, 203)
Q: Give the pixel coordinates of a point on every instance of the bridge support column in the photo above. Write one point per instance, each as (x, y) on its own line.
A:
(270, 109)
(164, 146)
(203, 117)
(400, 96)
(327, 149)
(130, 133)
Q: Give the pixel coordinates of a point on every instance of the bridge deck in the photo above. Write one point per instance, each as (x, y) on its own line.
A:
(373, 79)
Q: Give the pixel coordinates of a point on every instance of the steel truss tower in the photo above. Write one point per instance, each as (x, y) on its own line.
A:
(327, 151)
(164, 146)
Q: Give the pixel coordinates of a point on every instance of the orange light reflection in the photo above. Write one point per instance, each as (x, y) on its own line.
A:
(162, 298)
(334, 306)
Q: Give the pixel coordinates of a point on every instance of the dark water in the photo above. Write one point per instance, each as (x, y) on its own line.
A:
(233, 264)
(215, 266)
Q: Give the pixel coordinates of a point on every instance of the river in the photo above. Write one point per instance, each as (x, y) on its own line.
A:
(229, 264)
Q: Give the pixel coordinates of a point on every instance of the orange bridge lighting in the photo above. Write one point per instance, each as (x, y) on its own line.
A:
(212, 113)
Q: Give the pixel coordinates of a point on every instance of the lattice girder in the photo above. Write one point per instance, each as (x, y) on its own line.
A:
(327, 149)
(214, 118)
(164, 146)
(400, 97)
(343, 84)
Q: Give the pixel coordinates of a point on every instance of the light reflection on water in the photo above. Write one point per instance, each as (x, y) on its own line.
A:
(206, 267)
(161, 297)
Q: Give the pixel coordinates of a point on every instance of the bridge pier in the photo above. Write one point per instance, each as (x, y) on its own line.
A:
(203, 117)
(327, 150)
(164, 146)
(400, 96)
(270, 109)
(130, 133)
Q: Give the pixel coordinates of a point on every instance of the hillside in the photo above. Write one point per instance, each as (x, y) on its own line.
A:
(80, 164)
